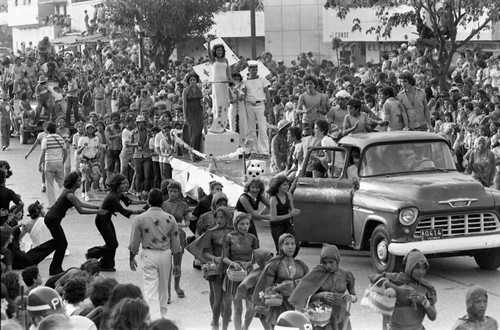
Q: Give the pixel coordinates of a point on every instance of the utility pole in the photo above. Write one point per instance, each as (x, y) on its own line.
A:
(252, 29)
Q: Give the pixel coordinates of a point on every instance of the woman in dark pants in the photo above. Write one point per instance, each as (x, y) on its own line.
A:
(282, 210)
(119, 186)
(57, 212)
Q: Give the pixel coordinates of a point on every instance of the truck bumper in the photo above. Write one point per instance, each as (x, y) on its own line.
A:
(447, 245)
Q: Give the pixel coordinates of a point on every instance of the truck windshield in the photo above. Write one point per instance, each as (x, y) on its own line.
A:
(397, 158)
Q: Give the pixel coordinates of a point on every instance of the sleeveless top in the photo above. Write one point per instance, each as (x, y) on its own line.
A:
(58, 211)
(218, 71)
(254, 202)
(283, 208)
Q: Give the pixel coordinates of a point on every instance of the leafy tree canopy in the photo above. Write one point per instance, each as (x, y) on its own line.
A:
(165, 22)
(436, 21)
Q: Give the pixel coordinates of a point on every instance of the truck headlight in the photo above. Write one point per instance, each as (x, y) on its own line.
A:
(408, 216)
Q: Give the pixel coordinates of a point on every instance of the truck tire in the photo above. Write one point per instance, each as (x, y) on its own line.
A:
(382, 260)
(488, 259)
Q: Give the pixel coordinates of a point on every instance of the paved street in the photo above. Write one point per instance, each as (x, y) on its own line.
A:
(450, 276)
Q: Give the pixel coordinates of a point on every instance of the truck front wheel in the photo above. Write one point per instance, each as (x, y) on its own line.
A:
(488, 258)
(382, 260)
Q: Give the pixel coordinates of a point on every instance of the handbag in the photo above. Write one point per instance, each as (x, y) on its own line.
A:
(210, 269)
(380, 298)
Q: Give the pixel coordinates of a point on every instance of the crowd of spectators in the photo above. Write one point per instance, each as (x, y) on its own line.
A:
(102, 85)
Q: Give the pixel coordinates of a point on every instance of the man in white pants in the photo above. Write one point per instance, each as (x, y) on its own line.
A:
(257, 98)
(157, 232)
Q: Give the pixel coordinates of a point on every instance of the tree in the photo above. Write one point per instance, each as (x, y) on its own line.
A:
(436, 22)
(165, 22)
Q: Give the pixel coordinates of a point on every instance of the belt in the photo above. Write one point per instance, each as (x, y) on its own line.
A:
(256, 102)
(99, 99)
(150, 248)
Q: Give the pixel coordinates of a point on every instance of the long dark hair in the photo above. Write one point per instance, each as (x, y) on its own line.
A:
(71, 179)
(275, 184)
(214, 51)
(115, 181)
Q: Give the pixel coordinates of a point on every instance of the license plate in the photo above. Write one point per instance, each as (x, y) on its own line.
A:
(431, 234)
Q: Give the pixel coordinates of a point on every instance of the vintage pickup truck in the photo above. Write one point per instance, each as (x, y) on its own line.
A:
(391, 192)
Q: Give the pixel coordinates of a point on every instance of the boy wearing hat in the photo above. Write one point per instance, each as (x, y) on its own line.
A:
(142, 157)
(257, 99)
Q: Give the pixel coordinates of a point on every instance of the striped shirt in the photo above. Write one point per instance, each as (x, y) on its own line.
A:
(54, 144)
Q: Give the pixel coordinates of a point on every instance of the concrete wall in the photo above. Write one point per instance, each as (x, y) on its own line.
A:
(232, 24)
(76, 12)
(23, 14)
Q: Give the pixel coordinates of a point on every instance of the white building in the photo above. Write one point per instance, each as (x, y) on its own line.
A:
(299, 26)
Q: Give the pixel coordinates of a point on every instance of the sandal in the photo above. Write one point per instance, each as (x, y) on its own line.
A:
(180, 293)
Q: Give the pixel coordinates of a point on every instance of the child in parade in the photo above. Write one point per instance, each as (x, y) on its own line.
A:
(328, 282)
(280, 275)
(209, 248)
(238, 250)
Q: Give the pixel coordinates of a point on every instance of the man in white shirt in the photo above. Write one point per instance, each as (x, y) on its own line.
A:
(53, 155)
(257, 98)
(164, 149)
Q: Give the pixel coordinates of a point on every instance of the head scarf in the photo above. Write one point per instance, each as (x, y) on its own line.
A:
(216, 198)
(239, 217)
(330, 252)
(413, 259)
(281, 241)
(473, 292)
(229, 217)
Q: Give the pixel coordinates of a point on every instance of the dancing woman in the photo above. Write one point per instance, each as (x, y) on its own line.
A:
(57, 212)
(220, 76)
(119, 186)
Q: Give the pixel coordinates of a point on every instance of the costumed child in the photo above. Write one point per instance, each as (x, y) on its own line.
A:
(209, 248)
(239, 245)
(281, 275)
(327, 283)
(246, 288)
(476, 300)
(415, 296)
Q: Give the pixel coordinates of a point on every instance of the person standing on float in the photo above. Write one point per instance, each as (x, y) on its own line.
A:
(257, 98)
(220, 76)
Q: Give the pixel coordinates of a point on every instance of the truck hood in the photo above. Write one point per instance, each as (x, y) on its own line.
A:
(430, 192)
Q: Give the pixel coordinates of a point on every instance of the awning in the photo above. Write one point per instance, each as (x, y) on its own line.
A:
(78, 39)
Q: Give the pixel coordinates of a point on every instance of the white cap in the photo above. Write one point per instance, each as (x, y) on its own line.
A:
(253, 63)
(343, 94)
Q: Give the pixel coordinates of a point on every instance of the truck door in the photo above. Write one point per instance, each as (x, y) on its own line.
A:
(325, 202)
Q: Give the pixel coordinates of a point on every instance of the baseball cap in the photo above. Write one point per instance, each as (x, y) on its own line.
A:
(87, 125)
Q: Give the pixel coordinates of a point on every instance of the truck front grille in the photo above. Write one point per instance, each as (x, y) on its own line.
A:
(460, 224)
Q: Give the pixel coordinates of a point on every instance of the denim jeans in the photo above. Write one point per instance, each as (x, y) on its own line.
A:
(143, 170)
